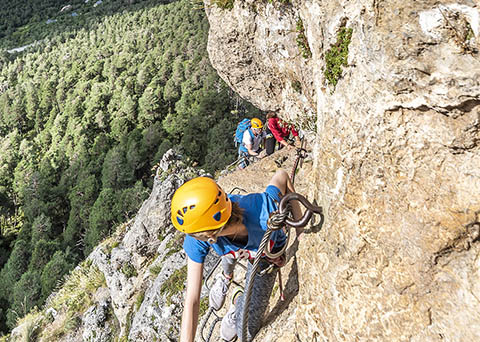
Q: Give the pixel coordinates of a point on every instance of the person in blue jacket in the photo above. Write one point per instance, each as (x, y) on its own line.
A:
(252, 141)
(233, 226)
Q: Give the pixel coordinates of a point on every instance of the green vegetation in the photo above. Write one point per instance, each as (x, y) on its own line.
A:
(84, 116)
(174, 284)
(129, 323)
(75, 292)
(129, 270)
(336, 57)
(139, 300)
(203, 306)
(31, 325)
(469, 32)
(156, 269)
(71, 301)
(74, 297)
(109, 244)
(297, 86)
(23, 22)
(302, 41)
(274, 291)
(224, 4)
(175, 244)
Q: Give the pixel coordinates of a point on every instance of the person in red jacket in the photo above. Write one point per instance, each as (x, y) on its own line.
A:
(278, 130)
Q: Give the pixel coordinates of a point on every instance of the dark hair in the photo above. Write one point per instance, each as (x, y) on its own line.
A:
(237, 214)
(271, 115)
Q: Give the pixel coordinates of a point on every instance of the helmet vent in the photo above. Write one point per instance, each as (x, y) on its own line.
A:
(184, 210)
(192, 207)
(180, 221)
(180, 213)
(218, 197)
(217, 216)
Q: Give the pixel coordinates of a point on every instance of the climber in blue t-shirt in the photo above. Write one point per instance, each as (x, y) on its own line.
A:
(233, 225)
(256, 210)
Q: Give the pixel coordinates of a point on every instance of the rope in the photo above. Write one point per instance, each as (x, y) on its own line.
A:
(256, 263)
(301, 154)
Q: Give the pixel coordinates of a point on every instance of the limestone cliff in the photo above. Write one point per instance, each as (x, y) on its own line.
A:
(396, 157)
(388, 93)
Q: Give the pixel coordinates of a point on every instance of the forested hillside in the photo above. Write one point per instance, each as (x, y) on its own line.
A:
(85, 116)
(23, 22)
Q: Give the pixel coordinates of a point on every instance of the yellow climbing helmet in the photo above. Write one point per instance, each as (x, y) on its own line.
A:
(199, 205)
(256, 123)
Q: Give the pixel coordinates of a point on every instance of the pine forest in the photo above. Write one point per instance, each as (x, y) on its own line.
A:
(102, 90)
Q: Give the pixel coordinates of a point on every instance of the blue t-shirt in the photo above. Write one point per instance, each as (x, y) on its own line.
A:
(257, 208)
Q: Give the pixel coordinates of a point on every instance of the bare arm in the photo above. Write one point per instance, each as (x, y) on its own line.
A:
(250, 151)
(192, 301)
(284, 143)
(298, 141)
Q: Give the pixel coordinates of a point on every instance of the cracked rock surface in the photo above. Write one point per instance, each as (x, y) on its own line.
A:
(396, 159)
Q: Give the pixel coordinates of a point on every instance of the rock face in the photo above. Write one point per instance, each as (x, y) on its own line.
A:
(397, 157)
(126, 266)
(254, 49)
(145, 271)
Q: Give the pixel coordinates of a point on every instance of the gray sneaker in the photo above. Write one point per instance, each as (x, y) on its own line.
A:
(228, 328)
(218, 292)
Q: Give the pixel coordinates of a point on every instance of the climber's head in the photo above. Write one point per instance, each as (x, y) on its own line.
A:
(202, 209)
(257, 125)
(271, 115)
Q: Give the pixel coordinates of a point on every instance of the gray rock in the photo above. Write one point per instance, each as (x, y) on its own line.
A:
(127, 266)
(159, 315)
(96, 327)
(396, 158)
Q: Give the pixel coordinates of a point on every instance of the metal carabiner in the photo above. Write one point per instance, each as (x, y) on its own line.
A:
(301, 152)
(311, 209)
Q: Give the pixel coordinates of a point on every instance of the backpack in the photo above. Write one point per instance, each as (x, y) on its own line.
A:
(241, 128)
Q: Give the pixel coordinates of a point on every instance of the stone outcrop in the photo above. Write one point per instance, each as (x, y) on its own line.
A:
(145, 271)
(253, 48)
(126, 266)
(397, 157)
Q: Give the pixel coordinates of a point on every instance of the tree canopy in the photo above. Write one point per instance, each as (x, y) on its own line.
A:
(84, 116)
